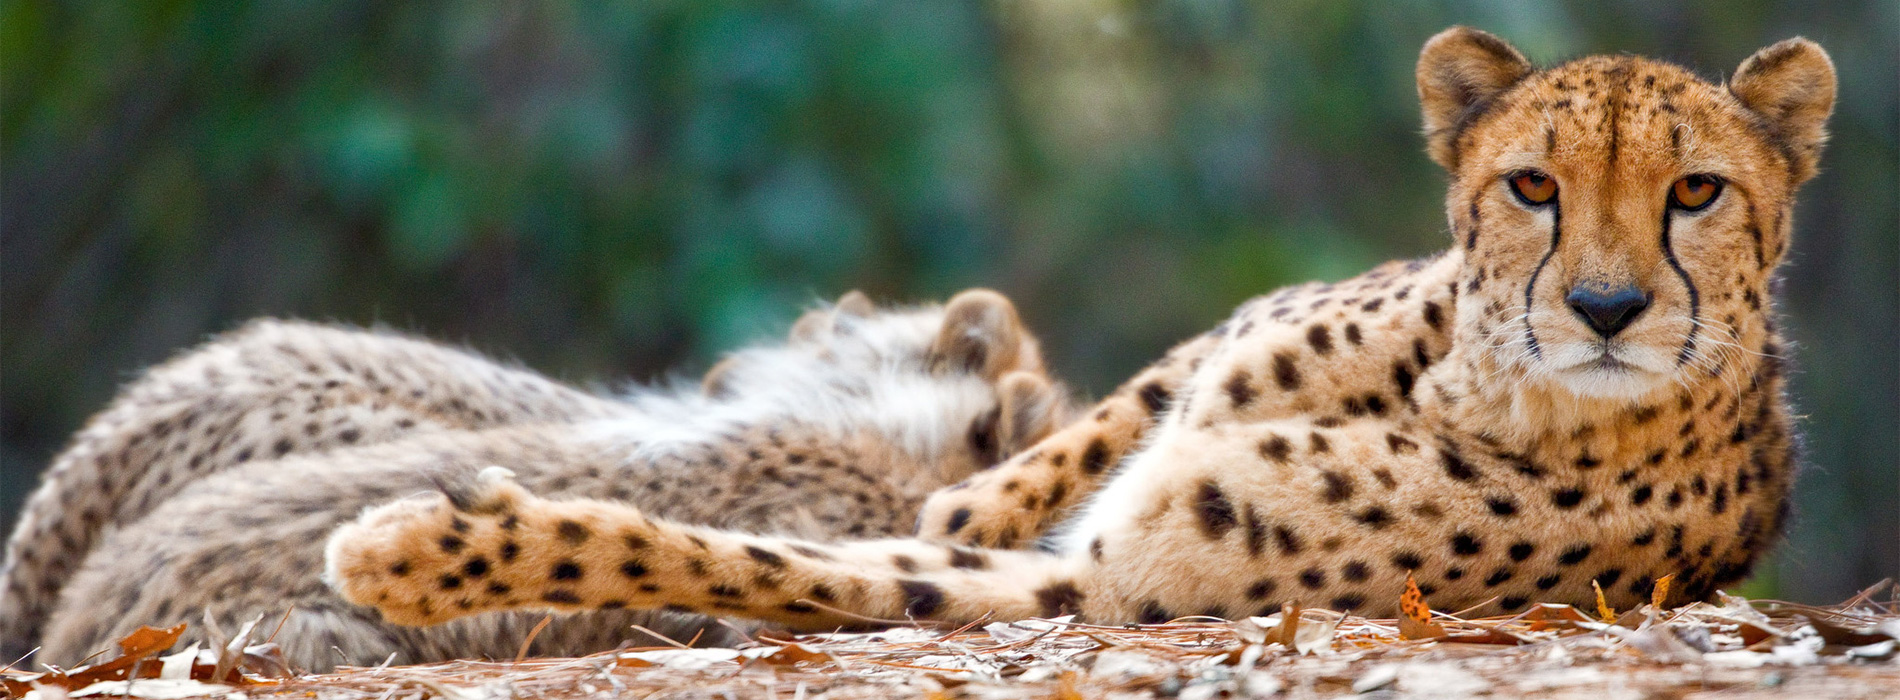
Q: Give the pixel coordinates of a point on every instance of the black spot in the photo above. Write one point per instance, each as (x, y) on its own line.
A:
(509, 550)
(475, 568)
(1399, 444)
(632, 569)
(1402, 375)
(565, 571)
(511, 522)
(1313, 578)
(1454, 573)
(451, 582)
(1512, 603)
(921, 599)
(1355, 571)
(1641, 495)
(1608, 577)
(1548, 582)
(572, 532)
(1644, 539)
(958, 518)
(1352, 334)
(1321, 338)
(1215, 512)
(1154, 396)
(1502, 506)
(1375, 517)
(1290, 542)
(1061, 598)
(458, 524)
(800, 608)
(1261, 589)
(499, 588)
(904, 563)
(400, 568)
(1152, 613)
(1457, 468)
(1339, 487)
(1318, 443)
(1566, 498)
(765, 557)
(1348, 602)
(1434, 316)
(1276, 448)
(1095, 458)
(1574, 554)
(725, 591)
(1285, 374)
(1522, 551)
(1464, 544)
(1373, 305)
(1499, 576)
(452, 544)
(966, 559)
(1240, 389)
(562, 597)
(1587, 462)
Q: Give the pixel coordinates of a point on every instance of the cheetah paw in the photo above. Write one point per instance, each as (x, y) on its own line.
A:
(979, 513)
(419, 560)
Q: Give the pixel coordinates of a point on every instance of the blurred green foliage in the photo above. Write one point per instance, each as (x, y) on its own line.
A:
(610, 190)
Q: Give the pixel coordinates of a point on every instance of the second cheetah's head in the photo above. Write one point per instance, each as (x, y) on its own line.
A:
(961, 385)
(1620, 218)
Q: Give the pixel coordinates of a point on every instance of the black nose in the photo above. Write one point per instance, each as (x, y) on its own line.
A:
(1607, 310)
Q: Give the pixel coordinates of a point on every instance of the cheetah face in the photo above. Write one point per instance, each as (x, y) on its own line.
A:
(961, 385)
(1619, 217)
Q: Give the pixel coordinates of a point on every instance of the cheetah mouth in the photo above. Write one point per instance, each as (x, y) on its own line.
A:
(1610, 372)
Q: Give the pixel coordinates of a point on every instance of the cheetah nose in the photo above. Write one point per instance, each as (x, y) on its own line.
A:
(1608, 310)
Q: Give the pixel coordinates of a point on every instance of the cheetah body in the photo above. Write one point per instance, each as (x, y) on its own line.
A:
(280, 432)
(1490, 421)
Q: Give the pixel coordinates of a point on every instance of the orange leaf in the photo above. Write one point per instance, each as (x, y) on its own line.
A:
(1604, 611)
(1415, 622)
(1661, 592)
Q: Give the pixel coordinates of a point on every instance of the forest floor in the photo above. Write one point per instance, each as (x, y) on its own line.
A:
(1735, 649)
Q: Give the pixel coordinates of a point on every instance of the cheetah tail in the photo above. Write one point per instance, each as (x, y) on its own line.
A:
(486, 544)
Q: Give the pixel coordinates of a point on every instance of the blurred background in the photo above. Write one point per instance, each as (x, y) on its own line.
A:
(612, 191)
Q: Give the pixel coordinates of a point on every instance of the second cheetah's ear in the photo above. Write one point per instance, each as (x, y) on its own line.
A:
(1030, 408)
(1459, 72)
(1791, 85)
(812, 327)
(855, 303)
(981, 334)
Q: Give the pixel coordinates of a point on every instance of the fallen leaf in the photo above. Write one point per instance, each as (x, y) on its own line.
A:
(1661, 592)
(1604, 612)
(1415, 619)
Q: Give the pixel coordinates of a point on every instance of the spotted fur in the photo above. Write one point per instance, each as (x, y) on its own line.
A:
(1457, 418)
(839, 433)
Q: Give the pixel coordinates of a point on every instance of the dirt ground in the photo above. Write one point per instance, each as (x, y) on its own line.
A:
(1734, 649)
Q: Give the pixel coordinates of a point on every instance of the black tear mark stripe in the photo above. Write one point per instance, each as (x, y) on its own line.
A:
(1695, 296)
(1530, 289)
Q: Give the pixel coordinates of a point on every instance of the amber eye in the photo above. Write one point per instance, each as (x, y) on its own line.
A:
(1534, 188)
(1694, 192)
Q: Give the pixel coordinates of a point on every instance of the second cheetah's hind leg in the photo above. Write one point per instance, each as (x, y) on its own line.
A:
(486, 544)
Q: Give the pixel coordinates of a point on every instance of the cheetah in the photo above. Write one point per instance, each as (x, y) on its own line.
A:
(840, 432)
(1585, 389)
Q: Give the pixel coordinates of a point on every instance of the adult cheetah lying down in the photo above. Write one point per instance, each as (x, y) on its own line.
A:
(210, 486)
(1585, 388)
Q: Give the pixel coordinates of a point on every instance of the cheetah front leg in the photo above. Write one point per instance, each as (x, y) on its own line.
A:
(1015, 503)
(487, 544)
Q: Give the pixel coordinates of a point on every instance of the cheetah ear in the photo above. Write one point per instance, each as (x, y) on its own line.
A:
(981, 334)
(811, 327)
(855, 303)
(714, 384)
(1031, 407)
(1459, 72)
(1791, 85)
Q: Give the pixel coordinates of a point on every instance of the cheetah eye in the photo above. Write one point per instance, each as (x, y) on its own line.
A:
(1534, 188)
(1695, 192)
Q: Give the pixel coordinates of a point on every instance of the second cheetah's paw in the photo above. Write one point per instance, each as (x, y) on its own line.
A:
(1001, 509)
(388, 558)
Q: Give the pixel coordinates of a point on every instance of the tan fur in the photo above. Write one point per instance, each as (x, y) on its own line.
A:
(236, 538)
(1452, 418)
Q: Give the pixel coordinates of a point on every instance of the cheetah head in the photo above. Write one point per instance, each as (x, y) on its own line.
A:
(961, 385)
(1620, 218)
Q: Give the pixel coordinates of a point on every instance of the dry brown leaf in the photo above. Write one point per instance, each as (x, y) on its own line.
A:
(793, 653)
(1604, 612)
(1660, 593)
(1415, 619)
